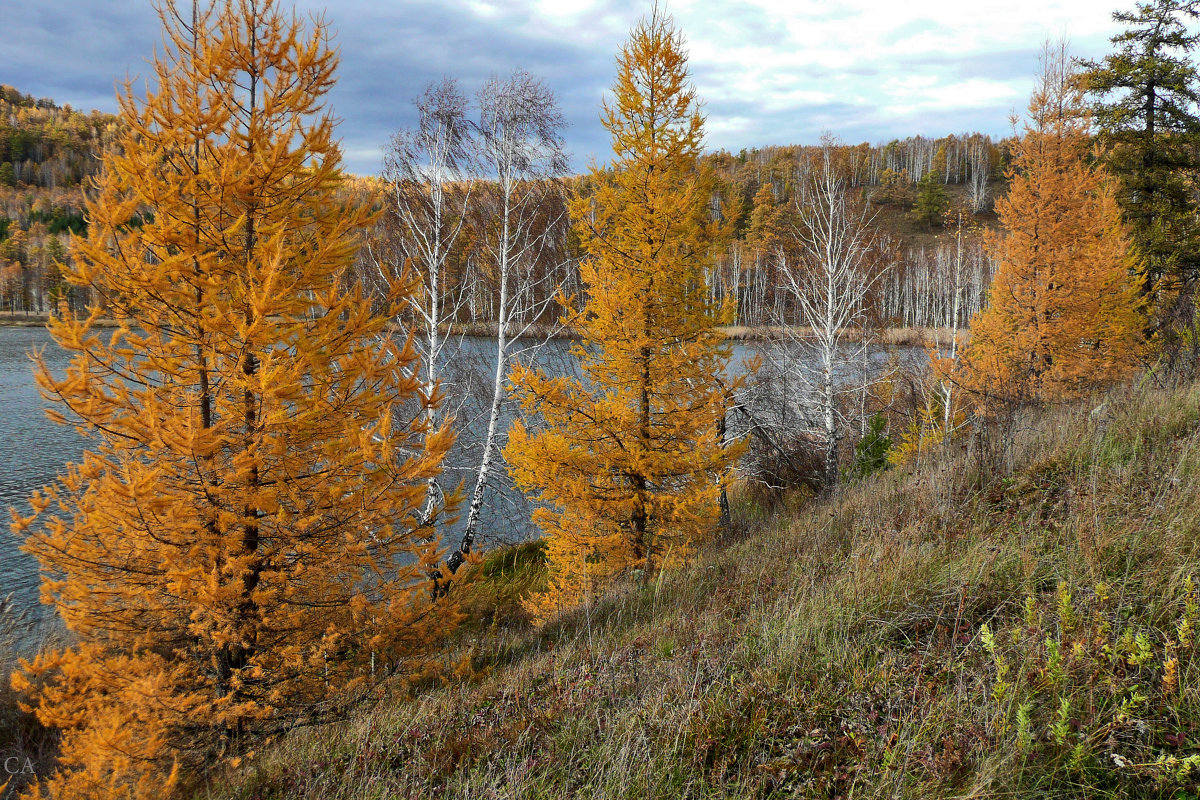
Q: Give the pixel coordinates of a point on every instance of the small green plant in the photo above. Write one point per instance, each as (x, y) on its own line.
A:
(1024, 728)
(871, 452)
(1061, 727)
(1096, 690)
(664, 648)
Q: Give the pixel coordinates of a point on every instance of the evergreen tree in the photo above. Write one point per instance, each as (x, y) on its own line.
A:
(932, 199)
(630, 462)
(241, 544)
(1146, 95)
(871, 452)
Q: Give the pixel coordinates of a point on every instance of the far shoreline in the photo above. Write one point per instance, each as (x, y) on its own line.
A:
(896, 336)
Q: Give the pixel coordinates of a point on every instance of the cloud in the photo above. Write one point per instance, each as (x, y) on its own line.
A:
(770, 71)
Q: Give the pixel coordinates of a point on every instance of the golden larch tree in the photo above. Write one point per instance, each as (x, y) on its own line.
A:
(241, 544)
(1061, 316)
(628, 459)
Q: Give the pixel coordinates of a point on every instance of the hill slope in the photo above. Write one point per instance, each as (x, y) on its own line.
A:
(48, 153)
(1004, 622)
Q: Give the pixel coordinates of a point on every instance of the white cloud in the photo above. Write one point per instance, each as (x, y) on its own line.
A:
(769, 71)
(871, 66)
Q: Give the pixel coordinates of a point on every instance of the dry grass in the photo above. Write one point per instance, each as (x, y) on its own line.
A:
(22, 320)
(491, 330)
(921, 337)
(899, 337)
(838, 652)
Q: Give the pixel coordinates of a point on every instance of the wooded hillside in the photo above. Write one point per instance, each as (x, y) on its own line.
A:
(49, 152)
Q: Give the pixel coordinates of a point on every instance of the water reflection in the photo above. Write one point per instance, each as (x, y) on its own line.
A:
(35, 449)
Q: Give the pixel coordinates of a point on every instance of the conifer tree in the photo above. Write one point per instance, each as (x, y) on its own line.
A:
(932, 199)
(1061, 318)
(241, 545)
(1146, 93)
(765, 222)
(629, 460)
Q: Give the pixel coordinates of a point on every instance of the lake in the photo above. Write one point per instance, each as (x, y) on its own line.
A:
(35, 449)
(32, 453)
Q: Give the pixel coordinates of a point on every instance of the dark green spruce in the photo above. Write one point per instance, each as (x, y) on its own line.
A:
(1146, 94)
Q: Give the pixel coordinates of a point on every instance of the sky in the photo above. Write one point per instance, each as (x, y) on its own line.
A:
(770, 72)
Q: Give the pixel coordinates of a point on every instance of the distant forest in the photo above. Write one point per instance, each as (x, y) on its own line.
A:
(48, 146)
(48, 152)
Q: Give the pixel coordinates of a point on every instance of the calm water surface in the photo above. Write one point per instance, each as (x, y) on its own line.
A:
(34, 450)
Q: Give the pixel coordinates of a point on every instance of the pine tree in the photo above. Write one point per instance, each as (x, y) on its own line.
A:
(1060, 319)
(871, 452)
(1147, 93)
(932, 200)
(630, 461)
(240, 547)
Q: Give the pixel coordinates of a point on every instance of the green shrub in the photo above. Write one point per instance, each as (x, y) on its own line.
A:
(871, 452)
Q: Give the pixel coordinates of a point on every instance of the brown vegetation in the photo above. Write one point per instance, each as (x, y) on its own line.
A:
(842, 649)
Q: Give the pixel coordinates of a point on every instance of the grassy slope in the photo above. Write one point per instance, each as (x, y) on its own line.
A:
(896, 218)
(841, 652)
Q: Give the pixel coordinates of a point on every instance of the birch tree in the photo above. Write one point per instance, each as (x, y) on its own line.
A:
(428, 171)
(980, 170)
(521, 151)
(942, 415)
(828, 271)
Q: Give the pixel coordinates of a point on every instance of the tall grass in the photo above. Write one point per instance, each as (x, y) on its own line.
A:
(898, 337)
(1006, 620)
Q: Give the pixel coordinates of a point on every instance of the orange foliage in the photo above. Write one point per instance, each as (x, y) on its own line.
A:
(1061, 318)
(242, 545)
(630, 461)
